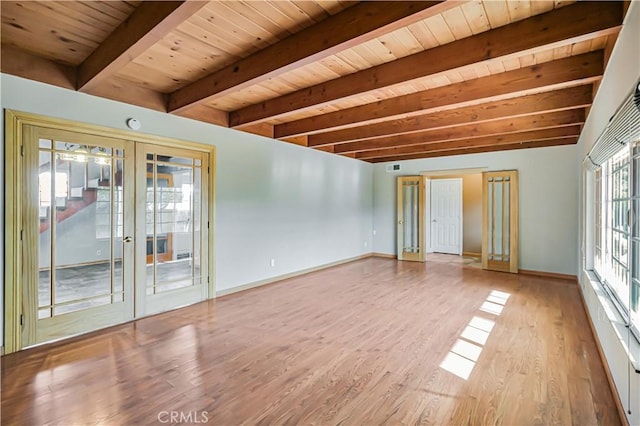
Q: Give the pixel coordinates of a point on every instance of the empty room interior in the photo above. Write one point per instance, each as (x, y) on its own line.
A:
(320, 212)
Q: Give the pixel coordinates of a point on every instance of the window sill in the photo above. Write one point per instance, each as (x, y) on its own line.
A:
(608, 310)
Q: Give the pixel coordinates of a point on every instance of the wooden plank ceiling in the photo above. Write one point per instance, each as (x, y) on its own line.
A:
(378, 81)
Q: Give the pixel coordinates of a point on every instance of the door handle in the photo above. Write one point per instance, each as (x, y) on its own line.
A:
(127, 239)
(400, 222)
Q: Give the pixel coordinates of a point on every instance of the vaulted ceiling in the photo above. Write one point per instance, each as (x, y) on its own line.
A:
(377, 81)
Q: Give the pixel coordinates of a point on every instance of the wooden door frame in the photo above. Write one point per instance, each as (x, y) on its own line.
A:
(15, 121)
(429, 182)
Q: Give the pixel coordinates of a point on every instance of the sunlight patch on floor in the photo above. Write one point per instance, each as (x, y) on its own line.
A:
(465, 352)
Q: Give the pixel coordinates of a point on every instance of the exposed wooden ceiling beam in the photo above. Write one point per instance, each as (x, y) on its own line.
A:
(207, 115)
(556, 74)
(23, 64)
(510, 125)
(505, 139)
(353, 26)
(570, 24)
(147, 25)
(329, 148)
(298, 140)
(570, 98)
(261, 129)
(121, 90)
(519, 145)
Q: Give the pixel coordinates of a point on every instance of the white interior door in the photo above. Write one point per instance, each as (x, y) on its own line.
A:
(446, 216)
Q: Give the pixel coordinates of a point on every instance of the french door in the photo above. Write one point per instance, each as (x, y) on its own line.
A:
(169, 229)
(500, 221)
(78, 265)
(111, 230)
(410, 231)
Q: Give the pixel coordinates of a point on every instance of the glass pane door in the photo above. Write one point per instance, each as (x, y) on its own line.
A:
(500, 221)
(171, 237)
(411, 218)
(78, 277)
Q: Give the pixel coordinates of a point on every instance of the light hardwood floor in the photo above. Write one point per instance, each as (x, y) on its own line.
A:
(370, 342)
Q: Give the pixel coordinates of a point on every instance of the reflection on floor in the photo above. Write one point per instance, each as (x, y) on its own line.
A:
(370, 342)
(474, 262)
(86, 286)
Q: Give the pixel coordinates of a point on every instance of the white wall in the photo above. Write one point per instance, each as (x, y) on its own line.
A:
(301, 207)
(548, 202)
(622, 73)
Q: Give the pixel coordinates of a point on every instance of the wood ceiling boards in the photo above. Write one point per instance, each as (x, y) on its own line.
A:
(377, 81)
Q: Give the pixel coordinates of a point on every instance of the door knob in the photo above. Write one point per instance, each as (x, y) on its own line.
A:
(399, 222)
(127, 239)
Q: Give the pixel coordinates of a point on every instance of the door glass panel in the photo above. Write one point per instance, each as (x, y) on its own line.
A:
(150, 221)
(410, 217)
(497, 220)
(406, 234)
(505, 229)
(80, 222)
(196, 196)
(414, 218)
(173, 224)
(177, 160)
(118, 219)
(490, 220)
(45, 189)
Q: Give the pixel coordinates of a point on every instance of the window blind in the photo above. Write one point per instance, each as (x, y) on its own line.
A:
(623, 127)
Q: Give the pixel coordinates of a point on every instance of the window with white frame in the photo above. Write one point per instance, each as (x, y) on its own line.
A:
(616, 254)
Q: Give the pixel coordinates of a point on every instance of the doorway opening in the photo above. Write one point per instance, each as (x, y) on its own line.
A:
(454, 202)
(422, 202)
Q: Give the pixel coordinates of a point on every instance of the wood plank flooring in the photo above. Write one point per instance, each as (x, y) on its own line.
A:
(370, 342)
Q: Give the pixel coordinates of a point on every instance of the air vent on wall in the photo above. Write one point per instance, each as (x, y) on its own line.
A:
(391, 168)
